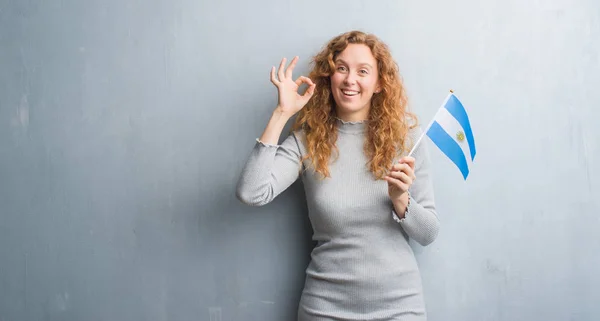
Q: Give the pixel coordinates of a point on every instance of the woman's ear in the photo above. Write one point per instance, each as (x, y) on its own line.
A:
(378, 88)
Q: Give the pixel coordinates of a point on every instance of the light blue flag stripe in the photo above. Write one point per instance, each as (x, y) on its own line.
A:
(448, 146)
(457, 110)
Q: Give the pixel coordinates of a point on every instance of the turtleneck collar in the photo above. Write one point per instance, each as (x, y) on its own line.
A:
(351, 127)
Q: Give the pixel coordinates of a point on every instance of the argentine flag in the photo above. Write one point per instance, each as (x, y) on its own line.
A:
(450, 130)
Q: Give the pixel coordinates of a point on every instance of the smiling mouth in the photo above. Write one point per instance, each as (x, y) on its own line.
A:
(350, 93)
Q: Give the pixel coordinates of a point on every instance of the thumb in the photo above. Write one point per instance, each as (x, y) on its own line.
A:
(310, 91)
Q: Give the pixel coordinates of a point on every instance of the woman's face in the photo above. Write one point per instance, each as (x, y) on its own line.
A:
(354, 81)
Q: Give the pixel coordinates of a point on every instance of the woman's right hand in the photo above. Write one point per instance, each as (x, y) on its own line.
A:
(290, 101)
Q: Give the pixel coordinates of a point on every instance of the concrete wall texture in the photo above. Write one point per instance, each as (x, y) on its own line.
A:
(124, 125)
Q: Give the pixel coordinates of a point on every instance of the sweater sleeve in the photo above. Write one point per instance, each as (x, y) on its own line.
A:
(269, 170)
(421, 222)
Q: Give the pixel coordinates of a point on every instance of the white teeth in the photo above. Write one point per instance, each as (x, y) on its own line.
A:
(350, 92)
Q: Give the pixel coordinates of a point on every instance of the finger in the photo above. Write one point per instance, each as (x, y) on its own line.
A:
(305, 80)
(273, 78)
(403, 177)
(409, 169)
(409, 173)
(281, 66)
(401, 167)
(290, 68)
(311, 86)
(408, 160)
(396, 182)
(310, 91)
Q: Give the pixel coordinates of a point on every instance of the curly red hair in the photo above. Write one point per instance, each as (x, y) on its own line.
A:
(389, 119)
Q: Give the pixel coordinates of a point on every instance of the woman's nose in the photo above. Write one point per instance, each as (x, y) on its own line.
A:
(350, 79)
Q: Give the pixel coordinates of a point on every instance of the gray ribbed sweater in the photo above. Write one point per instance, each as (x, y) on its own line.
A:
(362, 267)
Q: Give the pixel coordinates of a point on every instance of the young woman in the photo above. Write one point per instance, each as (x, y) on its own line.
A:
(366, 197)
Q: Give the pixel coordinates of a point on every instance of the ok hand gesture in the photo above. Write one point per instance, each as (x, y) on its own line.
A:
(290, 101)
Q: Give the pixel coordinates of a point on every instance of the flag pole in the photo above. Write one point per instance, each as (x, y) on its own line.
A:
(429, 125)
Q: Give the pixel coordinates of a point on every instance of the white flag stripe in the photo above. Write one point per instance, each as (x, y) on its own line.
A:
(452, 127)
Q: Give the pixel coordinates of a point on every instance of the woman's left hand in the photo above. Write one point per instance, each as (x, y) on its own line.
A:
(400, 178)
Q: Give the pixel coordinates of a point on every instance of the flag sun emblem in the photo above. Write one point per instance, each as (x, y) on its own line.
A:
(460, 136)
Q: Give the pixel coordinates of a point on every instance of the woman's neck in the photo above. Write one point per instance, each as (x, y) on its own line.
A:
(357, 116)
